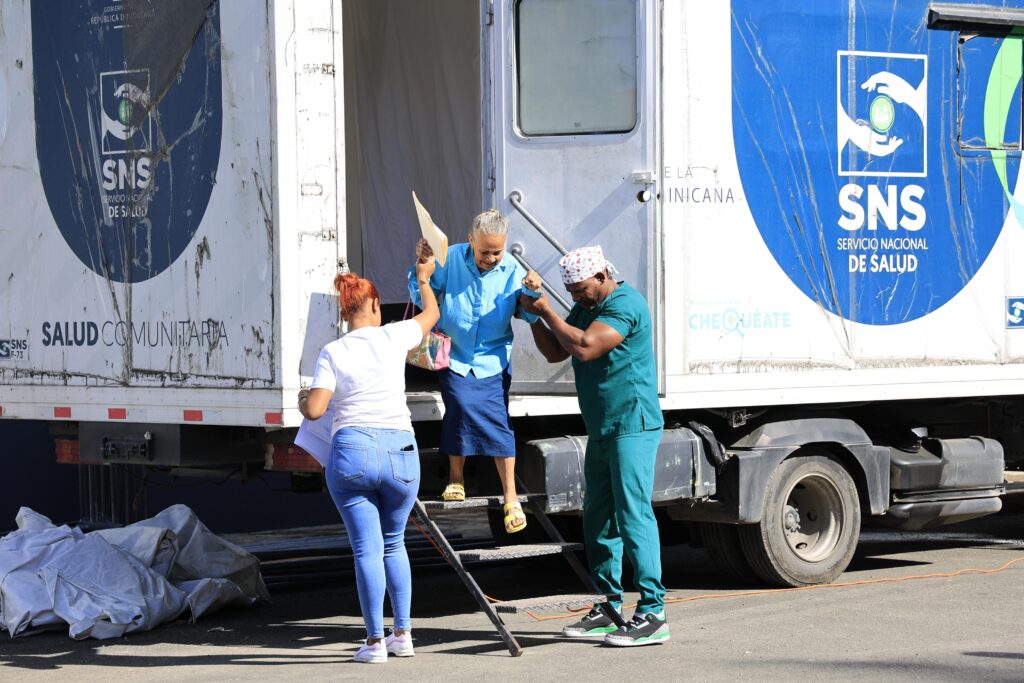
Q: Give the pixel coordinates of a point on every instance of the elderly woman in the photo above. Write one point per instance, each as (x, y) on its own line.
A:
(480, 285)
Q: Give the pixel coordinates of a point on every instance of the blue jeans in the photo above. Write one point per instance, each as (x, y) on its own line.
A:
(373, 476)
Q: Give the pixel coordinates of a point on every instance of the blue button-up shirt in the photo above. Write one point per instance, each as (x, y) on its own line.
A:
(476, 309)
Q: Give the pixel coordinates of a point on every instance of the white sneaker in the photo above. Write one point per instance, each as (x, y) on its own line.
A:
(372, 654)
(400, 646)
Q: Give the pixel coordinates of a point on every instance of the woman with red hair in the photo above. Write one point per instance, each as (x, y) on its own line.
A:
(373, 473)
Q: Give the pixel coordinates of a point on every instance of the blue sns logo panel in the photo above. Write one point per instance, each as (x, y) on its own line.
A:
(128, 127)
(849, 155)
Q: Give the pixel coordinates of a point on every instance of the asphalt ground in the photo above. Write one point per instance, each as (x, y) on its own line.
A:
(946, 605)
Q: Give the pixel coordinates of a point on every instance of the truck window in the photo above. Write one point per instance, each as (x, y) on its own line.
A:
(989, 93)
(576, 66)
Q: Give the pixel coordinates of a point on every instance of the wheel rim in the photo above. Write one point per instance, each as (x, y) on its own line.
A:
(812, 518)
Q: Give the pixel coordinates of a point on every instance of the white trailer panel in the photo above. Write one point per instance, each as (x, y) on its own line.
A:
(172, 211)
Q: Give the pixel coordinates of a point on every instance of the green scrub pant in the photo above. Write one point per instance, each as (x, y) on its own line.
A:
(618, 518)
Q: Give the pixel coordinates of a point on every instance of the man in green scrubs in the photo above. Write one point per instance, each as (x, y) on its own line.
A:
(608, 335)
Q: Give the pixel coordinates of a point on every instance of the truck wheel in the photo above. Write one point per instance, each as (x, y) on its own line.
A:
(810, 524)
(722, 541)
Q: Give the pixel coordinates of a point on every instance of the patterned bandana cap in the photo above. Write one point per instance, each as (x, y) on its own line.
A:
(583, 263)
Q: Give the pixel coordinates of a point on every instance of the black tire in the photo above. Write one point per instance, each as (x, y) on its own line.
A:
(722, 541)
(810, 524)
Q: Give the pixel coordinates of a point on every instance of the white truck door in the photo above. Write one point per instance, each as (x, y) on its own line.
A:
(573, 146)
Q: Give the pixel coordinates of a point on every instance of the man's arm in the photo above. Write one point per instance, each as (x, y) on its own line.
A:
(546, 343)
(583, 345)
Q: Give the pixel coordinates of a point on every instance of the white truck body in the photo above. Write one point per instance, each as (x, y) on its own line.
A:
(224, 326)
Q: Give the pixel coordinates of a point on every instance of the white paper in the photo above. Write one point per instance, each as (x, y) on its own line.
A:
(434, 236)
(314, 437)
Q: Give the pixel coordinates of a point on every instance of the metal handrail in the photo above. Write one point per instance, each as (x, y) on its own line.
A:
(515, 198)
(517, 253)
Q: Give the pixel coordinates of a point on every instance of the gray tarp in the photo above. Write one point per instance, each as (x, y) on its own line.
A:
(116, 581)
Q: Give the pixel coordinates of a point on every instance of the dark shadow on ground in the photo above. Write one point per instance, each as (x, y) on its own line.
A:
(321, 623)
(284, 625)
(997, 655)
(870, 564)
(889, 669)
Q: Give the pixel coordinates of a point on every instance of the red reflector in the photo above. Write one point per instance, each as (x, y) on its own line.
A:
(290, 458)
(117, 413)
(61, 411)
(67, 451)
(193, 416)
(274, 418)
(1, 411)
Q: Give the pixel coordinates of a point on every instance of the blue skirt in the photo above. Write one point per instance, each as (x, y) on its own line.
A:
(476, 420)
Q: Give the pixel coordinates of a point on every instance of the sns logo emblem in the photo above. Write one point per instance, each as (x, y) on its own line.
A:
(882, 114)
(13, 349)
(882, 127)
(1015, 312)
(127, 133)
(124, 108)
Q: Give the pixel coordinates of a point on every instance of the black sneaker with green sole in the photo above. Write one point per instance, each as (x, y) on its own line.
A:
(642, 629)
(594, 624)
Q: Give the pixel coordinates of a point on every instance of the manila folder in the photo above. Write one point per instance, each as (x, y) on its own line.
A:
(437, 240)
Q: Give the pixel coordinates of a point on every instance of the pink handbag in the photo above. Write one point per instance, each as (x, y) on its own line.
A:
(433, 350)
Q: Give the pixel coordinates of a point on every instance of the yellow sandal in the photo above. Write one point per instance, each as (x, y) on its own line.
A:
(454, 493)
(513, 514)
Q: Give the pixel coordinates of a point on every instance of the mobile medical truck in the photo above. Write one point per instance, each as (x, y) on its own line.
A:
(821, 202)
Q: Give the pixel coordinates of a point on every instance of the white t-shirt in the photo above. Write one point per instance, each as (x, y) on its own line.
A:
(366, 371)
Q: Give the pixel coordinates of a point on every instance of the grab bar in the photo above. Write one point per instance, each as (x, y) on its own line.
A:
(515, 198)
(517, 252)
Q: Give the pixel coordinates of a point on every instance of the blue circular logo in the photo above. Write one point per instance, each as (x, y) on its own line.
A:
(859, 167)
(128, 127)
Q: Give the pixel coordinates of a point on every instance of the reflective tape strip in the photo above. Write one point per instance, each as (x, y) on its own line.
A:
(62, 411)
(193, 415)
(274, 418)
(117, 413)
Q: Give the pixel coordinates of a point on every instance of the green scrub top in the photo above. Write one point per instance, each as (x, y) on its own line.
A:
(618, 393)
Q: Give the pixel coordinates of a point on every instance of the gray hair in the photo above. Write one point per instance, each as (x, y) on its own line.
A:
(490, 222)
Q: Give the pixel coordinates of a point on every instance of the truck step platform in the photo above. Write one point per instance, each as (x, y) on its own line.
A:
(490, 502)
(558, 546)
(517, 552)
(565, 602)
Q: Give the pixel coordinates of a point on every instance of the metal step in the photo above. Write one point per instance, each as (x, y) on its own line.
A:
(515, 552)
(425, 510)
(549, 602)
(493, 502)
